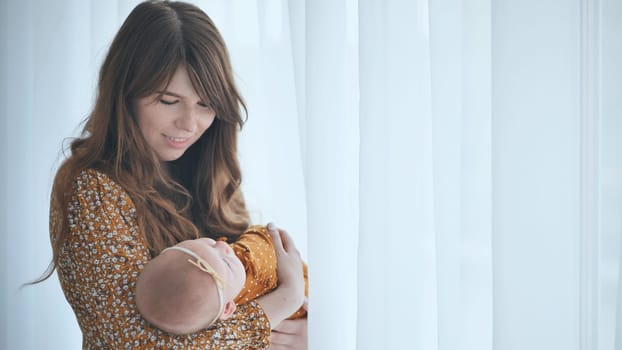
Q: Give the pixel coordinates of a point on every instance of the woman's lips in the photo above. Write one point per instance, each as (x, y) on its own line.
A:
(178, 142)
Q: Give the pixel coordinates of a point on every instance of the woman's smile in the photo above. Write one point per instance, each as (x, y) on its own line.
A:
(178, 142)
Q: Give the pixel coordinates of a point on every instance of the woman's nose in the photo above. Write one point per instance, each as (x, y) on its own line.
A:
(187, 121)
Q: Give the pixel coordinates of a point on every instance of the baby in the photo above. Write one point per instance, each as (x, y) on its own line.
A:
(193, 284)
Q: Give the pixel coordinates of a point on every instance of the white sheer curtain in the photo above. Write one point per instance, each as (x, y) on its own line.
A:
(489, 174)
(455, 164)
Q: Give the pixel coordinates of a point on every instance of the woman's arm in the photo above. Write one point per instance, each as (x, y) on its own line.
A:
(290, 334)
(289, 295)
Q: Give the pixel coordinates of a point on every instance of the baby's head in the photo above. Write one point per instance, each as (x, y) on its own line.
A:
(190, 285)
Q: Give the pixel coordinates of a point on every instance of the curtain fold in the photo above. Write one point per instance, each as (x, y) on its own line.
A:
(331, 176)
(608, 85)
(425, 169)
(397, 268)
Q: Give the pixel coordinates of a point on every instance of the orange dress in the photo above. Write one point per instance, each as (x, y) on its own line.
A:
(256, 251)
(98, 267)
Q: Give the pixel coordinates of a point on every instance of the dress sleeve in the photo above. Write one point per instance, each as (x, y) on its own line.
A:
(256, 251)
(98, 267)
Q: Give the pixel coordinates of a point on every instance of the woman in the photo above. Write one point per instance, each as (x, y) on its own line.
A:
(156, 165)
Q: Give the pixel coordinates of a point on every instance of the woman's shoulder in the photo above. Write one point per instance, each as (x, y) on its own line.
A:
(94, 189)
(91, 178)
(94, 181)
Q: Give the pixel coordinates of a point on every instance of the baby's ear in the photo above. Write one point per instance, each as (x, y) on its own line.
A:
(228, 310)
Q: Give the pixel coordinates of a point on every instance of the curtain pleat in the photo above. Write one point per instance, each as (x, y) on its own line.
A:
(331, 176)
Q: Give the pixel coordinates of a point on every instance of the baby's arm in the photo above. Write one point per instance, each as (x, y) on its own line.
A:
(256, 251)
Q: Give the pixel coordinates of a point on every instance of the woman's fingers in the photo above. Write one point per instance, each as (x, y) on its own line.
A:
(289, 263)
(288, 242)
(282, 239)
(276, 236)
(271, 226)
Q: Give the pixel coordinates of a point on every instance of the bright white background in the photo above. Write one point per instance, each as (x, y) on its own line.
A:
(455, 166)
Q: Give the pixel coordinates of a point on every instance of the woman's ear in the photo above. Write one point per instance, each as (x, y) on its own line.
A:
(228, 310)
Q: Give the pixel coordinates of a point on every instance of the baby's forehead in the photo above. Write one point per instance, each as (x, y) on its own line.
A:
(198, 246)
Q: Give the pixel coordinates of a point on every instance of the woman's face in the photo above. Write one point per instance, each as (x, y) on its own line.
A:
(171, 125)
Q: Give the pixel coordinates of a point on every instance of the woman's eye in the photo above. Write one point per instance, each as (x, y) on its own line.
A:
(203, 104)
(168, 103)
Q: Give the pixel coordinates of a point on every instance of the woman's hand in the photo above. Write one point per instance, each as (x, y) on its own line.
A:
(290, 334)
(289, 295)
(289, 263)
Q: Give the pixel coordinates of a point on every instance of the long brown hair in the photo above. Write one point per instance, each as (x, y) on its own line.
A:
(200, 195)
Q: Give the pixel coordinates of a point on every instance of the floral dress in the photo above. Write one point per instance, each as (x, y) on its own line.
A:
(99, 264)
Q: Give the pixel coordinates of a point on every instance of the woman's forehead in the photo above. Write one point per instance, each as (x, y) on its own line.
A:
(180, 85)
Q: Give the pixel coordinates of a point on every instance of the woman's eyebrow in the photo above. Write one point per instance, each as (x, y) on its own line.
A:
(170, 94)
